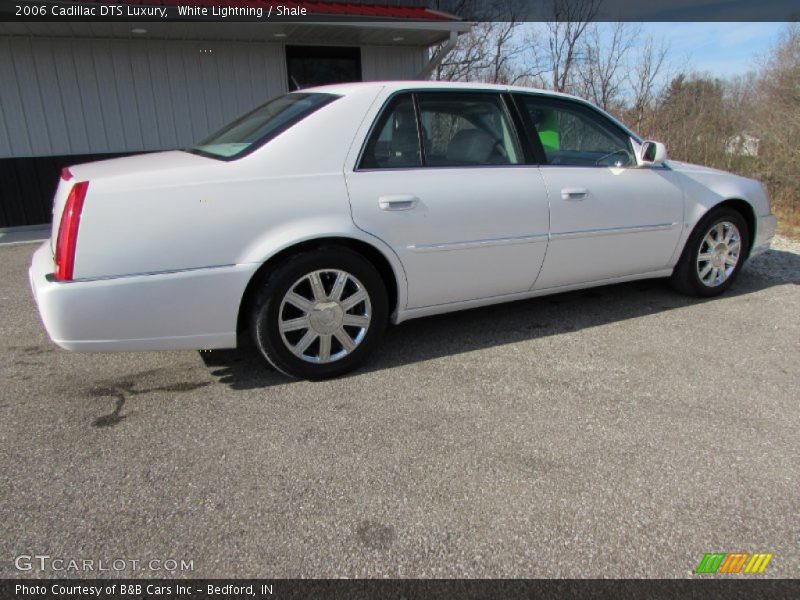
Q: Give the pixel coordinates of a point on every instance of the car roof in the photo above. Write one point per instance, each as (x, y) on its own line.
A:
(396, 86)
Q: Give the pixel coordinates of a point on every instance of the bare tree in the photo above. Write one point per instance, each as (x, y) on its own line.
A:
(646, 69)
(504, 54)
(600, 75)
(502, 51)
(740, 103)
(491, 53)
(468, 58)
(777, 114)
(564, 33)
(494, 51)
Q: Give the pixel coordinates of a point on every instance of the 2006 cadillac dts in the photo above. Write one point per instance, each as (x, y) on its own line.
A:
(325, 213)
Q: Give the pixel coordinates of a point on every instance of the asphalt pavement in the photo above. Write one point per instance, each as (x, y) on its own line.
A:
(622, 431)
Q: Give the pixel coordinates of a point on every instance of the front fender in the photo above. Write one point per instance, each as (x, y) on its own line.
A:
(706, 188)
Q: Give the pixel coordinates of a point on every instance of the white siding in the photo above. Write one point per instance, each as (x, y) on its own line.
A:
(392, 62)
(85, 96)
(62, 96)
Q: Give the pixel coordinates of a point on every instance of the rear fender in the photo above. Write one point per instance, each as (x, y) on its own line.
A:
(301, 231)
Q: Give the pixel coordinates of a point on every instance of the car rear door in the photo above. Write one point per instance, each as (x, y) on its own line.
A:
(608, 218)
(442, 178)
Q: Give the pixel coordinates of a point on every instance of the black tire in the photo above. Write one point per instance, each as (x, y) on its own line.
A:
(267, 312)
(685, 278)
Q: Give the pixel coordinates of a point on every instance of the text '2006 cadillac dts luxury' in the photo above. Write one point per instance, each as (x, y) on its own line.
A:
(316, 219)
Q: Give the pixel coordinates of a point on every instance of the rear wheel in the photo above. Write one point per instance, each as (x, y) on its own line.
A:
(320, 314)
(714, 254)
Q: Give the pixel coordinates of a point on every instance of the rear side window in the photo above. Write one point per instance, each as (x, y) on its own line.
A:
(467, 129)
(394, 141)
(458, 129)
(257, 127)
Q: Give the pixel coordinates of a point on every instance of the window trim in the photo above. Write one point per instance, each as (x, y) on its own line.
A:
(577, 106)
(531, 143)
(420, 130)
(415, 92)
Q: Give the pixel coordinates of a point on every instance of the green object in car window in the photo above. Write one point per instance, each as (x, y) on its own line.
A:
(548, 131)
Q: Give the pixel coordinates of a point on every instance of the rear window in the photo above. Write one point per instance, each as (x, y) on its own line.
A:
(259, 126)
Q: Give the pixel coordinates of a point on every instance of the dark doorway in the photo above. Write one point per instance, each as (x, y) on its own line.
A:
(29, 183)
(307, 66)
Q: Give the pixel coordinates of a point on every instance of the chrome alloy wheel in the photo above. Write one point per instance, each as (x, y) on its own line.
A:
(324, 316)
(719, 254)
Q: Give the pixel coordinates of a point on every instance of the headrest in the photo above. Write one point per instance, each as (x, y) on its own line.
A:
(470, 146)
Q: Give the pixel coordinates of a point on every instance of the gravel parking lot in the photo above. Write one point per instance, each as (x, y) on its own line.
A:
(617, 432)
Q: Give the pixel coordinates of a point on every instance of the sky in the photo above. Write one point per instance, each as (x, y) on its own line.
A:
(721, 49)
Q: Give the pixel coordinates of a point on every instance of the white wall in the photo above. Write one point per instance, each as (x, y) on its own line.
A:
(82, 96)
(391, 62)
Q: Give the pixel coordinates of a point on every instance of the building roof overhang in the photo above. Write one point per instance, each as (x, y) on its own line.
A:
(327, 22)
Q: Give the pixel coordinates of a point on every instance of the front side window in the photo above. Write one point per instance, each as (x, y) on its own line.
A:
(259, 126)
(577, 136)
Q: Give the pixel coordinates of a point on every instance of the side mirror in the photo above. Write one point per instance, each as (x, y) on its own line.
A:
(653, 153)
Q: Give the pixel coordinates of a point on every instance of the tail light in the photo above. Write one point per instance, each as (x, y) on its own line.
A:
(67, 238)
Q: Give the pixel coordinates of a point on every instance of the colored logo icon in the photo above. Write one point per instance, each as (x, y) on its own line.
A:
(734, 562)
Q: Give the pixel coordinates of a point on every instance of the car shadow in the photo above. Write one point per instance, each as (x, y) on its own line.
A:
(466, 331)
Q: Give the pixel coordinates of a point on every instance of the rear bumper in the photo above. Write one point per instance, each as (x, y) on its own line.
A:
(194, 309)
(765, 231)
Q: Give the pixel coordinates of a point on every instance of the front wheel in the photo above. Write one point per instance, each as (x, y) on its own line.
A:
(320, 314)
(714, 254)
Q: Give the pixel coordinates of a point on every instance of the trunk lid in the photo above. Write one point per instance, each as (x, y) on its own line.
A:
(128, 166)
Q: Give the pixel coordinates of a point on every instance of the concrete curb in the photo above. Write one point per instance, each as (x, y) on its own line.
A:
(28, 234)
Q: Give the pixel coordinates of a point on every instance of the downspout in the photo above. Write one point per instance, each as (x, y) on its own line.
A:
(438, 57)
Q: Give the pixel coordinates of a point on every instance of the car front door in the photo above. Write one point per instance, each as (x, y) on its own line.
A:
(443, 180)
(608, 217)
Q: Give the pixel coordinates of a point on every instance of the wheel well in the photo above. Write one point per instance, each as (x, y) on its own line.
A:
(372, 254)
(748, 214)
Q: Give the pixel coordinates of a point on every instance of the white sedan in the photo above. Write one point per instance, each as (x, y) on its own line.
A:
(322, 215)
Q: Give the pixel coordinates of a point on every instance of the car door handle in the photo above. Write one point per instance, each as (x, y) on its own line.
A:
(574, 193)
(398, 202)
